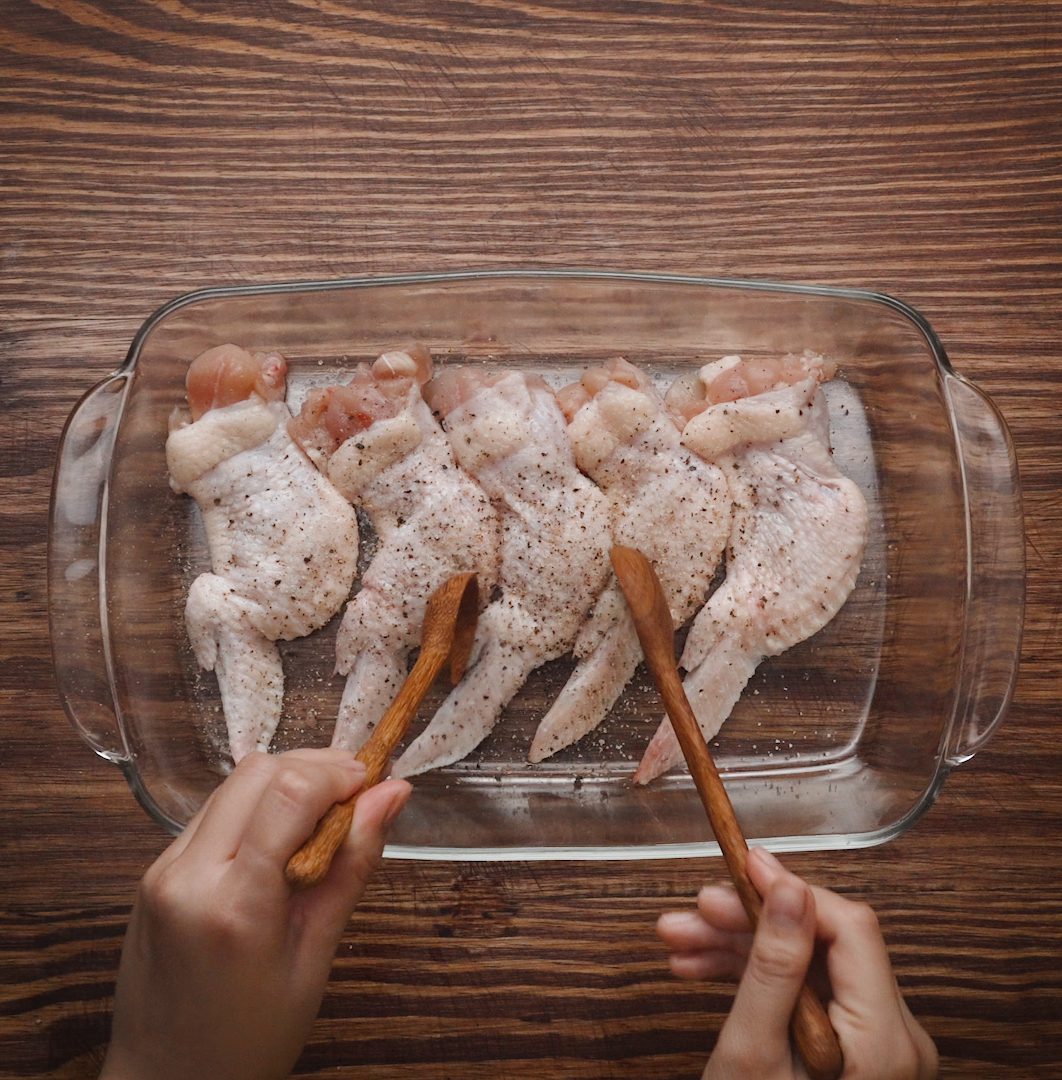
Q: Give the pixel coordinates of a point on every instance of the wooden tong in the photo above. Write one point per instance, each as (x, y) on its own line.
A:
(449, 627)
(815, 1039)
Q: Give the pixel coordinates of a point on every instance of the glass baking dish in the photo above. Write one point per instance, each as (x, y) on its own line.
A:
(843, 741)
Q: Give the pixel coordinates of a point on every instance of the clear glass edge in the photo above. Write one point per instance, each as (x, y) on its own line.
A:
(119, 756)
(963, 753)
(824, 842)
(658, 852)
(633, 853)
(523, 274)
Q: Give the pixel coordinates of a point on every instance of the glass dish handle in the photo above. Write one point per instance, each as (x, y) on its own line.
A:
(995, 590)
(77, 524)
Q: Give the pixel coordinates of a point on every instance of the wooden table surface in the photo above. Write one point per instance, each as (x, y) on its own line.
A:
(150, 148)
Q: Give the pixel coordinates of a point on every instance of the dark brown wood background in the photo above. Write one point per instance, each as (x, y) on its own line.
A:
(150, 148)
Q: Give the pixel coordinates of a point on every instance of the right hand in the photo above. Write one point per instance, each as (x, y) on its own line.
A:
(880, 1038)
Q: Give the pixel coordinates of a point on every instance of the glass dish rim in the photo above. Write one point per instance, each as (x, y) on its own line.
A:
(220, 292)
(618, 853)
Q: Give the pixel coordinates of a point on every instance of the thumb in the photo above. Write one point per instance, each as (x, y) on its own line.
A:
(331, 903)
(777, 966)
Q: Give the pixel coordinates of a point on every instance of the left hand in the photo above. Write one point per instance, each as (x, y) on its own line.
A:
(224, 966)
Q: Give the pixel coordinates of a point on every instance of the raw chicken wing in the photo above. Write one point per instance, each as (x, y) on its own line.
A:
(797, 537)
(378, 442)
(283, 543)
(508, 432)
(667, 502)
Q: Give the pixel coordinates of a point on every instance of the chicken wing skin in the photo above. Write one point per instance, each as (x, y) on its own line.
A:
(664, 500)
(283, 543)
(796, 542)
(508, 432)
(379, 443)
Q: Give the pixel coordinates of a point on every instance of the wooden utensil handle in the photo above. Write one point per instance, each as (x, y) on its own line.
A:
(310, 863)
(812, 1032)
(815, 1039)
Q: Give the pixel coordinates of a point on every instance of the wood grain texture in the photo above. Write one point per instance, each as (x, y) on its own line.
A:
(152, 148)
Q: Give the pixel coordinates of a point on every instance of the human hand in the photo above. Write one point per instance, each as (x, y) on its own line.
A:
(880, 1038)
(224, 966)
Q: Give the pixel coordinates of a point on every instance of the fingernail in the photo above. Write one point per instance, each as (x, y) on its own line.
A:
(786, 904)
(765, 859)
(679, 921)
(354, 764)
(708, 893)
(396, 807)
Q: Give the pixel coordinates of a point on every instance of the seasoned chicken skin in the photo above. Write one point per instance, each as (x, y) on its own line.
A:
(667, 502)
(283, 543)
(378, 442)
(797, 538)
(508, 432)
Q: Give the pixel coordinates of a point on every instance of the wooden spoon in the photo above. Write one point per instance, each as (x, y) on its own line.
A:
(815, 1039)
(449, 627)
